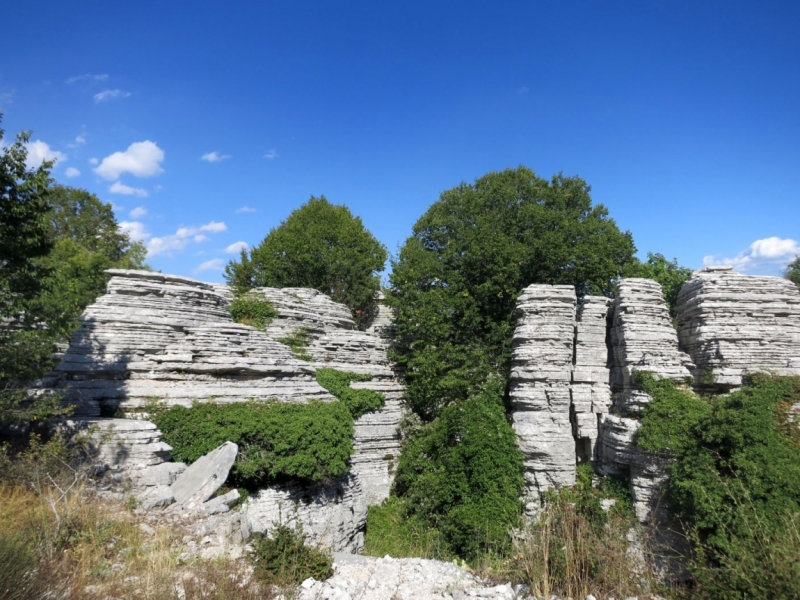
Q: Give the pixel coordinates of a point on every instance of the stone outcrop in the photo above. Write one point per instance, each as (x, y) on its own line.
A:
(332, 515)
(205, 476)
(334, 342)
(541, 373)
(591, 392)
(731, 324)
(154, 336)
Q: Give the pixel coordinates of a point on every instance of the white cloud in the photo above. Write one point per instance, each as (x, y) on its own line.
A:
(245, 209)
(107, 95)
(79, 141)
(214, 156)
(271, 154)
(88, 77)
(72, 172)
(140, 159)
(93, 161)
(182, 237)
(139, 211)
(120, 188)
(768, 256)
(135, 230)
(237, 247)
(215, 264)
(39, 151)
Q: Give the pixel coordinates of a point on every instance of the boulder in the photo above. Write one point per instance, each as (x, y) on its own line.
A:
(204, 476)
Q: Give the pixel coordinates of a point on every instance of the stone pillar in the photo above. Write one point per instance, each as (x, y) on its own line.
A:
(541, 372)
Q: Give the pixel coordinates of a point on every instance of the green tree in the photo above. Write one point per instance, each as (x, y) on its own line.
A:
(88, 241)
(792, 272)
(669, 274)
(321, 246)
(458, 276)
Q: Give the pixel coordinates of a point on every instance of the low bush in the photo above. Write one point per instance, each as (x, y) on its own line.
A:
(252, 309)
(735, 485)
(358, 402)
(462, 474)
(298, 342)
(283, 558)
(277, 440)
(391, 530)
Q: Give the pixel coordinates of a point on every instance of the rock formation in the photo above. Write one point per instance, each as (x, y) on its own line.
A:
(731, 323)
(541, 372)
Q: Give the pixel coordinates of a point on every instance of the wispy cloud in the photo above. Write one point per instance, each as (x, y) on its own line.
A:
(215, 264)
(272, 154)
(93, 161)
(135, 230)
(107, 95)
(141, 159)
(138, 212)
(120, 188)
(79, 141)
(768, 256)
(6, 99)
(88, 77)
(237, 247)
(245, 209)
(72, 172)
(182, 237)
(523, 90)
(214, 156)
(40, 151)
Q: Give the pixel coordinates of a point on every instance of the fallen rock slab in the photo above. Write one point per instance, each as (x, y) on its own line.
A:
(204, 476)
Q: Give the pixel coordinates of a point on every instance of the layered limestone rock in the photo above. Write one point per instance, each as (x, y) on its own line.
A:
(382, 323)
(541, 373)
(642, 339)
(332, 515)
(332, 341)
(731, 324)
(169, 338)
(591, 392)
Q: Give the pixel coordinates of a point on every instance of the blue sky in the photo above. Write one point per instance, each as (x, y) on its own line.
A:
(206, 123)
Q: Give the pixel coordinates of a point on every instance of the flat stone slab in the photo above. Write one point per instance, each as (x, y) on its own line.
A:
(204, 476)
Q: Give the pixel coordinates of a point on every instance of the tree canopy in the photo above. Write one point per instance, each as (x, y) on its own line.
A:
(321, 246)
(458, 276)
(792, 272)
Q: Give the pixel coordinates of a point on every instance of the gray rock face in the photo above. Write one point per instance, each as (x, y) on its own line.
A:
(204, 476)
(591, 392)
(333, 342)
(172, 338)
(541, 373)
(332, 515)
(642, 339)
(731, 323)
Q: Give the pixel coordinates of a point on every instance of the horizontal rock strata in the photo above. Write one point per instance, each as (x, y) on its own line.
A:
(541, 372)
(731, 324)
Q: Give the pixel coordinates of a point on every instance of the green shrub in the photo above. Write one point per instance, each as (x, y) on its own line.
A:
(277, 440)
(358, 402)
(19, 579)
(253, 310)
(298, 342)
(462, 474)
(735, 484)
(284, 559)
(392, 530)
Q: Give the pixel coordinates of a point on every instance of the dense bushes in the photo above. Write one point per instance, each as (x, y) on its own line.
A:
(462, 474)
(276, 440)
(357, 402)
(735, 485)
(250, 309)
(282, 558)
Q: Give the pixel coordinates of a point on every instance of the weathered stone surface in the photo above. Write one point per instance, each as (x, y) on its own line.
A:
(172, 338)
(731, 324)
(541, 372)
(159, 496)
(332, 515)
(591, 392)
(642, 339)
(204, 476)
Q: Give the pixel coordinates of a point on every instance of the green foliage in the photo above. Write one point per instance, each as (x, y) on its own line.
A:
(284, 559)
(253, 310)
(19, 579)
(457, 278)
(736, 481)
(462, 474)
(277, 440)
(298, 342)
(320, 246)
(392, 530)
(358, 402)
(792, 272)
(669, 274)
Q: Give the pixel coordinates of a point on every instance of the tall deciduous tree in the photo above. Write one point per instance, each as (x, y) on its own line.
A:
(458, 276)
(792, 272)
(321, 246)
